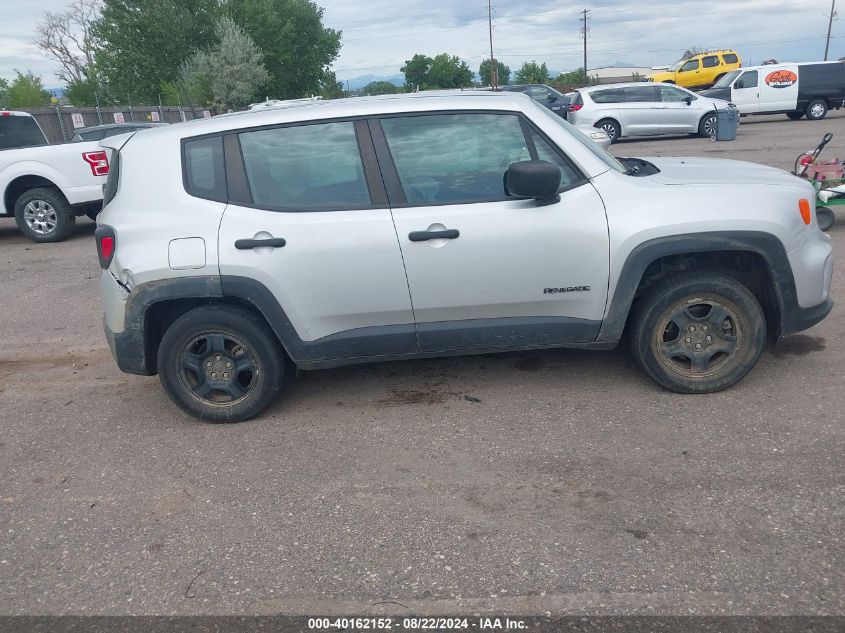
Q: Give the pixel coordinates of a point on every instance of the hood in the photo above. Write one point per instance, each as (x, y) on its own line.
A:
(717, 171)
(717, 93)
(661, 76)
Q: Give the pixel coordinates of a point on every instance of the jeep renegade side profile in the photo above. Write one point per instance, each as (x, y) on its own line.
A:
(396, 227)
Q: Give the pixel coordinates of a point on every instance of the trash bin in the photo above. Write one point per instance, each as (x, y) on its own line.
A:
(727, 121)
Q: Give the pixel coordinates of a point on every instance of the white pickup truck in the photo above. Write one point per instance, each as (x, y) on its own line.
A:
(46, 186)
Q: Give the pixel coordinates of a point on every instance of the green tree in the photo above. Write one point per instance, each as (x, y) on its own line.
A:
(140, 44)
(4, 91)
(449, 71)
(380, 88)
(532, 73)
(416, 71)
(485, 74)
(330, 87)
(575, 78)
(230, 72)
(82, 92)
(298, 49)
(27, 91)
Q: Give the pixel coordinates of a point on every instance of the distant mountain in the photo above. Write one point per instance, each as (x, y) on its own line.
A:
(359, 82)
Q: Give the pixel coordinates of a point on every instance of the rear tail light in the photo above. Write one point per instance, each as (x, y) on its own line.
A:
(106, 245)
(804, 208)
(98, 161)
(574, 107)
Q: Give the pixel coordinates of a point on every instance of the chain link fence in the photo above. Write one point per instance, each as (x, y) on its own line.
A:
(60, 122)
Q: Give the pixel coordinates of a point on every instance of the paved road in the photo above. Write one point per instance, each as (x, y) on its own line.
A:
(569, 483)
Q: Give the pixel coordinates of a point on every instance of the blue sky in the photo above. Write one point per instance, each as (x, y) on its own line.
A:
(380, 34)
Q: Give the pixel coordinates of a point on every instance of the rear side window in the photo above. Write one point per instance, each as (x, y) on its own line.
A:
(711, 61)
(641, 94)
(454, 158)
(306, 167)
(607, 96)
(205, 173)
(730, 58)
(20, 131)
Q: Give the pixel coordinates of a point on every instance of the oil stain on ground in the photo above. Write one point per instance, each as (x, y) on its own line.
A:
(798, 345)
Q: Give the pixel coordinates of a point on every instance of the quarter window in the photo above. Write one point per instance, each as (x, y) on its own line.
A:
(305, 168)
(454, 158)
(205, 173)
(730, 58)
(711, 61)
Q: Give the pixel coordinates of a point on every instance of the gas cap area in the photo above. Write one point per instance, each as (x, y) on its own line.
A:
(186, 253)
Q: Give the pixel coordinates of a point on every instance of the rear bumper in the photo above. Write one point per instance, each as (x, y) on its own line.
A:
(128, 350)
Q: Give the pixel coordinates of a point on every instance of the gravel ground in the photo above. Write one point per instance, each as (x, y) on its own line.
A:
(572, 485)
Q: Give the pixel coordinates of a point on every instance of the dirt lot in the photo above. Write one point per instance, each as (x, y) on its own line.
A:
(568, 483)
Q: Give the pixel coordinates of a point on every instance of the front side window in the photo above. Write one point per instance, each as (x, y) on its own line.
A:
(711, 61)
(641, 94)
(205, 172)
(454, 158)
(671, 94)
(306, 167)
(748, 80)
(690, 65)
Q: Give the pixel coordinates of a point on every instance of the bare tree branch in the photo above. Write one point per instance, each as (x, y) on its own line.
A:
(66, 37)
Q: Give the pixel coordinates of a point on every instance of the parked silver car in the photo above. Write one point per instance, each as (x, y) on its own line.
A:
(645, 109)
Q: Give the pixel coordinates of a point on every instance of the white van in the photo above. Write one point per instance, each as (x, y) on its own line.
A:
(797, 90)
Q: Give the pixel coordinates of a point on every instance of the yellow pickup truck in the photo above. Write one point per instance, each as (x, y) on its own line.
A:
(699, 71)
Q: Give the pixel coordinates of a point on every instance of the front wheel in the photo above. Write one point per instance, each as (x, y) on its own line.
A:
(220, 363)
(698, 333)
(816, 110)
(825, 218)
(611, 128)
(707, 126)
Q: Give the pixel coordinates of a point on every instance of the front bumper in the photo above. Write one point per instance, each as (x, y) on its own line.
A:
(798, 319)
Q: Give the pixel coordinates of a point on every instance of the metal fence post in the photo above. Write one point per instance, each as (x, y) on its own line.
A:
(61, 124)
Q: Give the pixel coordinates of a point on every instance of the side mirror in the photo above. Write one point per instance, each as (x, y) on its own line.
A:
(688, 100)
(536, 179)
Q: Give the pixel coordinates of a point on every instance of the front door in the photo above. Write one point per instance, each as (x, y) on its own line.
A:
(315, 230)
(678, 116)
(746, 92)
(487, 271)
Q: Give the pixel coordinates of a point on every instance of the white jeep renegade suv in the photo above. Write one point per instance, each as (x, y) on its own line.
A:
(359, 230)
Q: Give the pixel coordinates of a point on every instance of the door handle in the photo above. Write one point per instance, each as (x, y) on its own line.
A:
(424, 236)
(273, 242)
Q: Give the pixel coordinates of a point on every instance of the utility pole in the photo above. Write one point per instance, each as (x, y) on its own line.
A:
(494, 67)
(584, 32)
(829, 27)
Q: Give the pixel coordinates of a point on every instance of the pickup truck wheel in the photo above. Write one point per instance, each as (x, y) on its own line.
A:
(220, 363)
(43, 215)
(698, 333)
(816, 110)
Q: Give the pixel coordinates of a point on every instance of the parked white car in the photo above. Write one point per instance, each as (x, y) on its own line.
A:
(46, 186)
(396, 227)
(645, 109)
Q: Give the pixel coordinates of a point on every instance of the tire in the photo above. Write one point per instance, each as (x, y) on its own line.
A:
(198, 361)
(611, 128)
(43, 215)
(678, 306)
(816, 110)
(668, 81)
(707, 125)
(825, 218)
(794, 116)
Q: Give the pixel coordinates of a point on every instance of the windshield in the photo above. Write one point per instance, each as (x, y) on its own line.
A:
(727, 80)
(677, 65)
(20, 131)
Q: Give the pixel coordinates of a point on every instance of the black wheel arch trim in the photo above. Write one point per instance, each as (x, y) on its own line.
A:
(793, 318)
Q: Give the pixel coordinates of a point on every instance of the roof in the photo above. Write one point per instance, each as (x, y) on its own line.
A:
(14, 113)
(349, 107)
(629, 84)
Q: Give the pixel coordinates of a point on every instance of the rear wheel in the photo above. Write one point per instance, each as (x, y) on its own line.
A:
(816, 110)
(43, 215)
(611, 128)
(707, 126)
(795, 115)
(220, 364)
(698, 332)
(825, 218)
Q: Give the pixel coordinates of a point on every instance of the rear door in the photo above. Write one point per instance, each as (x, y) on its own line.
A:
(487, 271)
(641, 111)
(308, 219)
